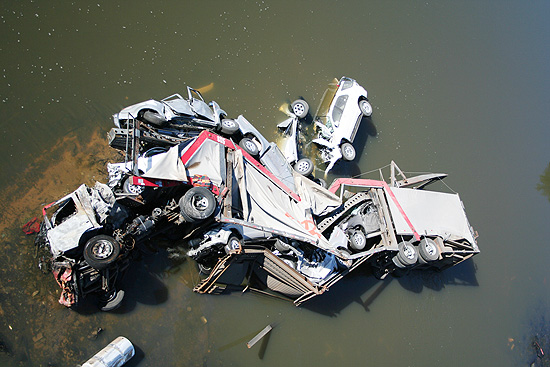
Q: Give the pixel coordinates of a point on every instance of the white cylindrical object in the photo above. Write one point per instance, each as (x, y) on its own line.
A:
(117, 353)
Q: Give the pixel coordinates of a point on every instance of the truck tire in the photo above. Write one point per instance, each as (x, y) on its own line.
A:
(197, 204)
(112, 302)
(428, 250)
(101, 251)
(407, 254)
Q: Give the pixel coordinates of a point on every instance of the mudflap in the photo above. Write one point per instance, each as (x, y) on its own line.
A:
(64, 277)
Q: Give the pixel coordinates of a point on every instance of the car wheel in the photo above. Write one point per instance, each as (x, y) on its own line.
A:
(365, 107)
(198, 203)
(282, 246)
(129, 188)
(233, 244)
(304, 166)
(380, 273)
(321, 182)
(358, 240)
(154, 151)
(229, 127)
(249, 146)
(300, 108)
(204, 269)
(153, 118)
(407, 254)
(112, 301)
(348, 151)
(428, 250)
(101, 251)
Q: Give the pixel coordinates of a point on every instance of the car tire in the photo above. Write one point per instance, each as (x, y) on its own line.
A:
(357, 240)
(320, 182)
(300, 108)
(153, 118)
(129, 188)
(204, 269)
(348, 151)
(304, 166)
(249, 146)
(282, 247)
(228, 127)
(365, 107)
(101, 251)
(428, 250)
(233, 244)
(154, 151)
(112, 302)
(198, 203)
(407, 254)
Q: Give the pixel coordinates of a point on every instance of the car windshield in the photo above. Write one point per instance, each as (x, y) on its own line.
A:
(62, 211)
(328, 96)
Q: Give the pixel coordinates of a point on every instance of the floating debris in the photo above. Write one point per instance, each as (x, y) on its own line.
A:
(260, 335)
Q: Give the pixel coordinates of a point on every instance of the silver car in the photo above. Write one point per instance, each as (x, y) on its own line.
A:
(177, 113)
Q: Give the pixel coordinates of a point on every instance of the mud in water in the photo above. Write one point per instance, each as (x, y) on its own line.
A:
(53, 174)
(38, 330)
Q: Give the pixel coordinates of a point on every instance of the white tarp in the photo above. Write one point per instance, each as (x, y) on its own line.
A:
(208, 160)
(431, 213)
(164, 166)
(320, 200)
(266, 204)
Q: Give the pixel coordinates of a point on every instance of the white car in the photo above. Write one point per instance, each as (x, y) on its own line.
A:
(338, 117)
(297, 110)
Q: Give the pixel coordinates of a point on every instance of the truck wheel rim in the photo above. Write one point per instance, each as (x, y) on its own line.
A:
(102, 249)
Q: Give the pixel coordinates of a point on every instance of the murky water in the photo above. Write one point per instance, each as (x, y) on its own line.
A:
(457, 87)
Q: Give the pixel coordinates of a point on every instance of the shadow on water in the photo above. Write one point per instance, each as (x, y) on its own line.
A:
(139, 355)
(354, 286)
(366, 129)
(531, 348)
(142, 283)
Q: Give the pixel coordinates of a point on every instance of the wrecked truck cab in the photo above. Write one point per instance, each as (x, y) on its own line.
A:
(77, 217)
(92, 235)
(85, 258)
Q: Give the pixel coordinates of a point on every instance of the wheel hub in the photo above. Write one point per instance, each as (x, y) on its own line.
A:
(359, 240)
(408, 251)
(200, 202)
(430, 249)
(298, 109)
(102, 249)
(303, 166)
